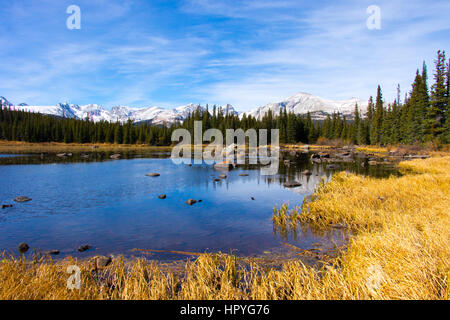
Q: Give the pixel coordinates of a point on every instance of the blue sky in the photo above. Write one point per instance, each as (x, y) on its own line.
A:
(247, 53)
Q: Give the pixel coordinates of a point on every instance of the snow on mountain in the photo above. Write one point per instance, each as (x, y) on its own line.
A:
(5, 102)
(300, 103)
(155, 115)
(319, 108)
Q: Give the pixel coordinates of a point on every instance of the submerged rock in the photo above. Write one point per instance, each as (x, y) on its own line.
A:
(292, 184)
(243, 175)
(6, 206)
(217, 179)
(22, 199)
(162, 196)
(252, 198)
(84, 248)
(23, 247)
(191, 201)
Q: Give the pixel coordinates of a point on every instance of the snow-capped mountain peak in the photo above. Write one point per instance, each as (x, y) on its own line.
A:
(300, 103)
(319, 108)
(5, 102)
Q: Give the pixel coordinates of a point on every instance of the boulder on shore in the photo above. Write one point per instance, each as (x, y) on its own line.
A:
(115, 156)
(23, 247)
(101, 262)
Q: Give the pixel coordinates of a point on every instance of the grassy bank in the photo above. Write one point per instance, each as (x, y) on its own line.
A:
(56, 147)
(400, 250)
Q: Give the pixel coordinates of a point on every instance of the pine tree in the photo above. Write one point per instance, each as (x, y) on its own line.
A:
(375, 128)
(436, 112)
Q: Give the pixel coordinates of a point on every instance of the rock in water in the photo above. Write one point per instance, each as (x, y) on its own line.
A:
(162, 196)
(243, 175)
(333, 166)
(6, 206)
(23, 247)
(84, 248)
(22, 199)
(191, 201)
(53, 252)
(116, 156)
(223, 176)
(154, 174)
(223, 166)
(292, 184)
(324, 154)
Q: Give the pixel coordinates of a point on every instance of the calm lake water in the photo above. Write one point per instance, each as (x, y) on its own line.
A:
(113, 206)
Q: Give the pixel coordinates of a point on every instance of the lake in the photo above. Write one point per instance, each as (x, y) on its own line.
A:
(113, 206)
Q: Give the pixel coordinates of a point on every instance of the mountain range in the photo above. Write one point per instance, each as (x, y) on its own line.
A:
(300, 103)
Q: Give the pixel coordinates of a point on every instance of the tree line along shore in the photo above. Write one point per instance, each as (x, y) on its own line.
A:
(421, 118)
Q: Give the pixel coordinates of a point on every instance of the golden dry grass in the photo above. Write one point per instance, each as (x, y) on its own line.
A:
(400, 250)
(372, 149)
(55, 147)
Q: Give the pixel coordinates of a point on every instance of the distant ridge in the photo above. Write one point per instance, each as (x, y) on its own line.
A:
(300, 103)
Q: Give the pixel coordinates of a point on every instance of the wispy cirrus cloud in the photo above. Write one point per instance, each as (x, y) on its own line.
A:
(246, 53)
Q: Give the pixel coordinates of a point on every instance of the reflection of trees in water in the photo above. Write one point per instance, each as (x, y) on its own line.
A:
(47, 158)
